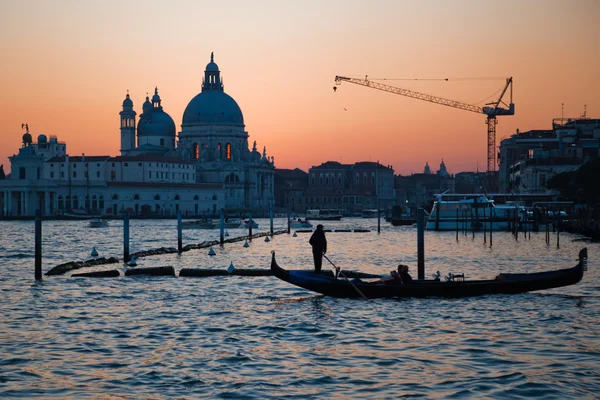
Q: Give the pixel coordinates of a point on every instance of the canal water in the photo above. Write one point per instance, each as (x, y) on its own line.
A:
(258, 337)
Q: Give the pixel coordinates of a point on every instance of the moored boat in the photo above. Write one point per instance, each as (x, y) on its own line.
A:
(198, 224)
(472, 211)
(324, 214)
(300, 224)
(503, 283)
(98, 223)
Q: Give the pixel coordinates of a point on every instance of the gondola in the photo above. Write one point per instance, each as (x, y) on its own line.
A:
(503, 283)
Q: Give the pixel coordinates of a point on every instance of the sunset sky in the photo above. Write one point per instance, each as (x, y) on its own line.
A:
(67, 65)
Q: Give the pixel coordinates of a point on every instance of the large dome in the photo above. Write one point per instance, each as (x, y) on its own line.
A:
(213, 107)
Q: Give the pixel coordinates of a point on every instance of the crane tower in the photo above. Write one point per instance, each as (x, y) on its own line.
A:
(492, 110)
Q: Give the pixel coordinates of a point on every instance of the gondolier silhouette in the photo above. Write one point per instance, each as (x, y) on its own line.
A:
(319, 246)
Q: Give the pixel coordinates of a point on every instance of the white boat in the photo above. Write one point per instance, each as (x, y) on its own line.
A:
(98, 223)
(230, 223)
(324, 214)
(198, 224)
(370, 213)
(452, 212)
(299, 223)
(246, 224)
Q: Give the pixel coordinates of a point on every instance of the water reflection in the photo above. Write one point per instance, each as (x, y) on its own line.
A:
(262, 338)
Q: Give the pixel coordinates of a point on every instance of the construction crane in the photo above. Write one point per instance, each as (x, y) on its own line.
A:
(492, 110)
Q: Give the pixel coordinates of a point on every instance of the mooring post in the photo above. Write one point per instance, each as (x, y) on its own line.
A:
(179, 234)
(558, 232)
(126, 237)
(271, 216)
(457, 224)
(492, 212)
(288, 225)
(421, 243)
(250, 226)
(222, 223)
(484, 223)
(472, 225)
(378, 220)
(516, 224)
(38, 245)
(437, 213)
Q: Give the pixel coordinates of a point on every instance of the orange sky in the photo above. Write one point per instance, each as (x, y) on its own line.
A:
(66, 67)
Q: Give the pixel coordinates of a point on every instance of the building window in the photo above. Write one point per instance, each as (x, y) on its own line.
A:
(196, 151)
(149, 174)
(74, 174)
(97, 174)
(228, 151)
(62, 174)
(22, 173)
(113, 175)
(162, 142)
(543, 180)
(126, 164)
(52, 174)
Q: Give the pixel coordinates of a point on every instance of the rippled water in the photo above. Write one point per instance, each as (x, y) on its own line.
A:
(241, 337)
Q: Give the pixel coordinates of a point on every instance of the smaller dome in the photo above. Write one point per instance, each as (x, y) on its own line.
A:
(157, 123)
(156, 97)
(211, 66)
(42, 139)
(127, 102)
(147, 106)
(27, 138)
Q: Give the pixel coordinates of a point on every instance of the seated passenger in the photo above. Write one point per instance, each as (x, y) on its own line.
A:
(404, 275)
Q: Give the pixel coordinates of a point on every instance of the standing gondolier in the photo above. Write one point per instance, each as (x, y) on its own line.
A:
(319, 246)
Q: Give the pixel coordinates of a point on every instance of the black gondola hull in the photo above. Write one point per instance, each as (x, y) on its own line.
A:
(504, 283)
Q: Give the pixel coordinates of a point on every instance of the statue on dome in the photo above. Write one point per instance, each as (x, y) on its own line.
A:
(265, 153)
(2, 174)
(254, 147)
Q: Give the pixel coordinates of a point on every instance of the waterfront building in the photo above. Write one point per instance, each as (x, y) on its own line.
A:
(350, 187)
(206, 167)
(529, 159)
(290, 189)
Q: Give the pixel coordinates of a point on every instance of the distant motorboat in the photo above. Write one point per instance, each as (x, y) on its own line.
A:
(98, 223)
(230, 223)
(199, 224)
(299, 223)
(324, 214)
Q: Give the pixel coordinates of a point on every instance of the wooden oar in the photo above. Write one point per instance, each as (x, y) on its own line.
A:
(344, 275)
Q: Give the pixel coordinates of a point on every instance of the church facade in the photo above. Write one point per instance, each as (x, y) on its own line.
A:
(207, 166)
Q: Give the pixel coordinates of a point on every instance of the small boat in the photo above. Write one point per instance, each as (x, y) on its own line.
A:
(300, 224)
(324, 214)
(370, 213)
(401, 216)
(198, 224)
(503, 283)
(230, 223)
(98, 223)
(246, 224)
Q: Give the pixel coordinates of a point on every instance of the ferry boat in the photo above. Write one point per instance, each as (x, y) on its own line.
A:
(470, 211)
(324, 214)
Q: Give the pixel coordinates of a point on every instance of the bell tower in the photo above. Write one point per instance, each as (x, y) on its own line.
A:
(127, 126)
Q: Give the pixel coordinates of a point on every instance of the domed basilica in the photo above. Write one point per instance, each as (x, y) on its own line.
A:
(206, 167)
